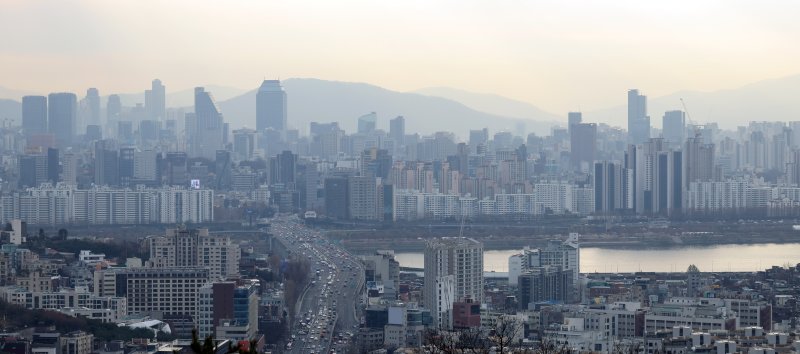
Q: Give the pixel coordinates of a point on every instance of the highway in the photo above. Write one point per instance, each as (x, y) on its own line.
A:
(327, 314)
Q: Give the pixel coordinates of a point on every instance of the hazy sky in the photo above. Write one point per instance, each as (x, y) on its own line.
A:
(559, 55)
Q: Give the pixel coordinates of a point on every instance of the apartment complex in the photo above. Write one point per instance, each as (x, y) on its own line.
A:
(195, 248)
(64, 204)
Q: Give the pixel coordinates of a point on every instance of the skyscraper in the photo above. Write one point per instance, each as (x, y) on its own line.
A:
(126, 165)
(673, 128)
(638, 120)
(245, 143)
(397, 130)
(52, 166)
(206, 134)
(283, 168)
(477, 138)
(367, 123)
(271, 106)
(583, 142)
(155, 101)
(62, 113)
(453, 270)
(34, 115)
(32, 170)
(113, 108)
(93, 102)
(574, 118)
(337, 196)
(106, 163)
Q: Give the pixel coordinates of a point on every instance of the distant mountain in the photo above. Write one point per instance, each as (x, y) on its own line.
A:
(11, 109)
(768, 100)
(14, 94)
(328, 101)
(180, 98)
(494, 104)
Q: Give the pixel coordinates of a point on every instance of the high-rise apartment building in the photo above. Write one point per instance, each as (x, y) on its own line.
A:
(609, 187)
(62, 112)
(699, 160)
(673, 128)
(69, 164)
(363, 201)
(271, 108)
(668, 182)
(638, 120)
(453, 270)
(196, 248)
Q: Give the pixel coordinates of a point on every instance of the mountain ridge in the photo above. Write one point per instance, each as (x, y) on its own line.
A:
(328, 101)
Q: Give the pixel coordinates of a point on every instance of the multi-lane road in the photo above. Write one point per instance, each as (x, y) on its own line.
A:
(327, 314)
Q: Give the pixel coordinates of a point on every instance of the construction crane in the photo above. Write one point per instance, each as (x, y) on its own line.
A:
(689, 119)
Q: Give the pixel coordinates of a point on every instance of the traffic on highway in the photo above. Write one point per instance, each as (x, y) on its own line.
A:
(327, 314)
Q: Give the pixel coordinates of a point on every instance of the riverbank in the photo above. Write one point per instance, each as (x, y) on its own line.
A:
(633, 236)
(719, 258)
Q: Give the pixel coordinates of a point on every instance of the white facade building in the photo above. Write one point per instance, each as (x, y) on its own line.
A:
(458, 260)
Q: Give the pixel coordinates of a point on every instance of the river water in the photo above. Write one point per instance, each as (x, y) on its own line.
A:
(721, 258)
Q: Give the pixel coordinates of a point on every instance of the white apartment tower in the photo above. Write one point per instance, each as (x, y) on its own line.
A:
(453, 270)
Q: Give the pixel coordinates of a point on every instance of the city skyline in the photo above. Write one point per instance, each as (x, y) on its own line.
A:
(194, 176)
(506, 49)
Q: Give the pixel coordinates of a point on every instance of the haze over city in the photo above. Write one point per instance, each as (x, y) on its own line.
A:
(399, 177)
(560, 56)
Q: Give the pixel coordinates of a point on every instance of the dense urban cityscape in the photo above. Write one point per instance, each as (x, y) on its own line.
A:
(302, 215)
(252, 260)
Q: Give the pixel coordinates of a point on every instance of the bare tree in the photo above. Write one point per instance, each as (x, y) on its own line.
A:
(440, 342)
(626, 348)
(505, 332)
(472, 341)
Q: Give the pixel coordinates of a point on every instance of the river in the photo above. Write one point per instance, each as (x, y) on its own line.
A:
(720, 258)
